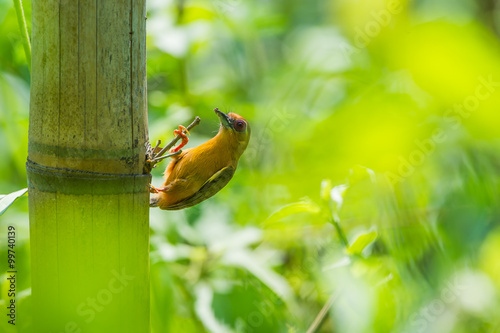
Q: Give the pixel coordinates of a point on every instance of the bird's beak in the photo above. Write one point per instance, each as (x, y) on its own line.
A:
(224, 118)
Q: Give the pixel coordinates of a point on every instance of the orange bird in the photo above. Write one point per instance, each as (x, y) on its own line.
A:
(198, 173)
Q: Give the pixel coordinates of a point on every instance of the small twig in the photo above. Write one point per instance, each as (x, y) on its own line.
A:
(195, 122)
(152, 158)
(159, 159)
(158, 143)
(322, 314)
(24, 30)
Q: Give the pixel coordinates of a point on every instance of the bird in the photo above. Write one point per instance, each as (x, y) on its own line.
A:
(198, 173)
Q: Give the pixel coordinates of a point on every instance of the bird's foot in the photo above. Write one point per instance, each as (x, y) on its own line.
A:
(183, 136)
(155, 155)
(153, 189)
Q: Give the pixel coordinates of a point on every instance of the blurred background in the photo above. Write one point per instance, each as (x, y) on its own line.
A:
(368, 198)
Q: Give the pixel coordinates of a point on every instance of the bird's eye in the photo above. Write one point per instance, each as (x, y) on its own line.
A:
(240, 125)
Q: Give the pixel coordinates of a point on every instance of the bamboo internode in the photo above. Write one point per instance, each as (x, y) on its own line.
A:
(88, 194)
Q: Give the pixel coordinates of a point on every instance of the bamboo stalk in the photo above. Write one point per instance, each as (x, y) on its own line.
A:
(88, 195)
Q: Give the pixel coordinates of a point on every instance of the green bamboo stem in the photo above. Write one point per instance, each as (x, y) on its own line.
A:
(88, 194)
(24, 30)
(340, 232)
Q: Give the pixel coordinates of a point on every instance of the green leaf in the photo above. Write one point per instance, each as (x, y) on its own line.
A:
(258, 267)
(359, 173)
(337, 196)
(362, 242)
(305, 206)
(7, 200)
(326, 187)
(203, 307)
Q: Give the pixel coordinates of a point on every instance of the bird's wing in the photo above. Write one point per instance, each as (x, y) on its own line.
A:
(213, 185)
(175, 159)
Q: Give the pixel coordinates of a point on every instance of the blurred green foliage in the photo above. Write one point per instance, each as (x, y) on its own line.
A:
(379, 117)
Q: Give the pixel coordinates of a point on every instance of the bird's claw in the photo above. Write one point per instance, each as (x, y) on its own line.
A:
(183, 136)
(153, 189)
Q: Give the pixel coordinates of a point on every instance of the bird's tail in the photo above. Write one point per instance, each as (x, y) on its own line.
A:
(153, 201)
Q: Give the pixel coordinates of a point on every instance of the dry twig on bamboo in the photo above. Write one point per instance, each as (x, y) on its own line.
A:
(155, 155)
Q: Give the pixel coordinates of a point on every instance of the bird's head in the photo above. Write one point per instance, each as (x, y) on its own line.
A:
(235, 128)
